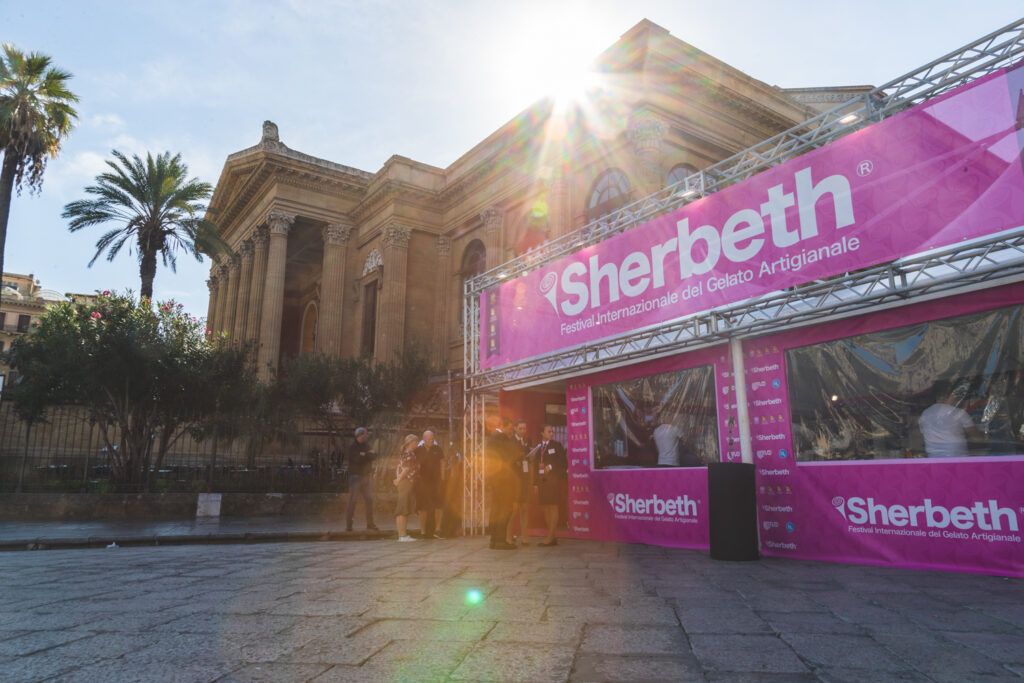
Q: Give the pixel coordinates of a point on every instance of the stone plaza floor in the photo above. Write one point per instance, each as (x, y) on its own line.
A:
(581, 611)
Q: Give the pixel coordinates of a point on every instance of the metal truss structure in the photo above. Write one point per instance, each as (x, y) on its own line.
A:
(957, 269)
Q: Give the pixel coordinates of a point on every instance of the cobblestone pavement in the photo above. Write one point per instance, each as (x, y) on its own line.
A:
(582, 611)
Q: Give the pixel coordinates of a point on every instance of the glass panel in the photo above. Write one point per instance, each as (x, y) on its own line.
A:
(665, 420)
(945, 388)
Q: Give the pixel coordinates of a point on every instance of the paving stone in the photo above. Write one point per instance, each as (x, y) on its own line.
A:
(746, 653)
(560, 632)
(634, 640)
(36, 667)
(1003, 648)
(839, 651)
(353, 650)
(531, 663)
(38, 641)
(130, 671)
(274, 672)
(721, 620)
(407, 660)
(104, 645)
(810, 622)
(613, 615)
(839, 675)
(934, 655)
(747, 677)
(964, 620)
(427, 629)
(596, 667)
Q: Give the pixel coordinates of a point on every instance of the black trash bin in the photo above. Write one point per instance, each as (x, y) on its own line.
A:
(733, 511)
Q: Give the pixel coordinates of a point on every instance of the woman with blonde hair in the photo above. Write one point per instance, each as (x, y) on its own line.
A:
(405, 480)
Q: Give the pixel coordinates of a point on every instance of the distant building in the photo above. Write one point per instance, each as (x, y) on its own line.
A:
(22, 303)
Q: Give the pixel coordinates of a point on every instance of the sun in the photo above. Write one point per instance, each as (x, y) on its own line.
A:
(552, 57)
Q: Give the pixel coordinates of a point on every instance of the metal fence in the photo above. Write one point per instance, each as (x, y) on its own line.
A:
(67, 453)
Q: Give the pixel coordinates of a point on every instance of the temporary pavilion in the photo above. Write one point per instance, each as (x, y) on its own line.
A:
(830, 305)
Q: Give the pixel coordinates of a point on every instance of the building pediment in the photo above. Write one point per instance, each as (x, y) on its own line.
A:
(249, 174)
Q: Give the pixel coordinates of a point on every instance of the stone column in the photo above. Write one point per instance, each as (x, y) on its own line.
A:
(332, 288)
(222, 294)
(391, 320)
(440, 341)
(259, 272)
(492, 219)
(233, 265)
(559, 206)
(211, 309)
(244, 287)
(647, 133)
(279, 224)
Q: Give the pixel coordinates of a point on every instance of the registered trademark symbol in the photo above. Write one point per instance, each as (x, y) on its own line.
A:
(865, 168)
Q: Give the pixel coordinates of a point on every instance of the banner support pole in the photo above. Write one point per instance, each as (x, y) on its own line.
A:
(740, 392)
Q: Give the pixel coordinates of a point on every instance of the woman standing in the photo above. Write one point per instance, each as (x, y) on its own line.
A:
(405, 479)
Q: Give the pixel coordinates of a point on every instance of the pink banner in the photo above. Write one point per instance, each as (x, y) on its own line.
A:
(962, 514)
(659, 506)
(941, 173)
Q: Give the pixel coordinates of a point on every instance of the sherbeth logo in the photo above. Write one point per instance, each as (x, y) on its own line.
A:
(986, 515)
(680, 506)
(550, 292)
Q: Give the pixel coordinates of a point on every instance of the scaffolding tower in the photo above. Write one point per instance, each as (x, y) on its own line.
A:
(962, 268)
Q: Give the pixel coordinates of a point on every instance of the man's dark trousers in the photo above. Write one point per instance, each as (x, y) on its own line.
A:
(501, 510)
(362, 486)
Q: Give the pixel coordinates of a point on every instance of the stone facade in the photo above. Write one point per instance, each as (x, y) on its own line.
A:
(342, 261)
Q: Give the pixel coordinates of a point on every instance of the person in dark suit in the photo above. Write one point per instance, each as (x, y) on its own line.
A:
(550, 474)
(524, 476)
(500, 453)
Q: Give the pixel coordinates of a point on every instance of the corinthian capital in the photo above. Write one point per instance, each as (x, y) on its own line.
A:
(444, 245)
(646, 132)
(491, 217)
(260, 236)
(280, 222)
(337, 233)
(246, 249)
(396, 235)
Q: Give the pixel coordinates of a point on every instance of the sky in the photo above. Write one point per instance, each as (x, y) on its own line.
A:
(356, 82)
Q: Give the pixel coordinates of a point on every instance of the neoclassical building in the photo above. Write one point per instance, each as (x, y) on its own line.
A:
(332, 259)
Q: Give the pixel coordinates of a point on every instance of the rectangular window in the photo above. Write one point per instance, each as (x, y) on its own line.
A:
(944, 388)
(369, 318)
(23, 322)
(664, 420)
(3, 319)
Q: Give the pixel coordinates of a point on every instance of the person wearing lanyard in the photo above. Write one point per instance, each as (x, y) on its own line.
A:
(551, 470)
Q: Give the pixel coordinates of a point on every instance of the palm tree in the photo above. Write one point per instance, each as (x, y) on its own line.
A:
(156, 206)
(35, 117)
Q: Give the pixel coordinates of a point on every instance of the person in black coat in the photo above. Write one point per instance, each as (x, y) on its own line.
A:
(550, 475)
(360, 457)
(429, 488)
(500, 452)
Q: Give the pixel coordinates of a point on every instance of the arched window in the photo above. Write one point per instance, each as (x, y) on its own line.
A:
(679, 173)
(610, 192)
(474, 262)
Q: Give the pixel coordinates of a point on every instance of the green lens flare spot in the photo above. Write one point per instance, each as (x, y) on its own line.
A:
(474, 596)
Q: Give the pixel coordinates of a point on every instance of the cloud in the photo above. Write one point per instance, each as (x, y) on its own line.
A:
(106, 121)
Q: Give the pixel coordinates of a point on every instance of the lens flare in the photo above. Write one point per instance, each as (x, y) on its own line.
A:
(474, 596)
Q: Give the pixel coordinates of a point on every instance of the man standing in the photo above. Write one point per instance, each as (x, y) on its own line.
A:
(499, 452)
(360, 459)
(551, 471)
(521, 468)
(429, 486)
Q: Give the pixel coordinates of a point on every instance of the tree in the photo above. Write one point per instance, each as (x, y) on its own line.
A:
(35, 117)
(157, 208)
(147, 375)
